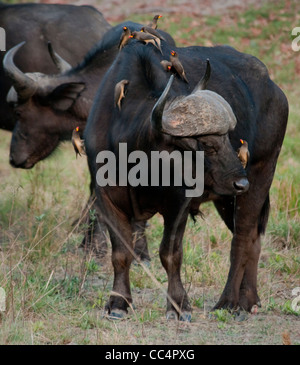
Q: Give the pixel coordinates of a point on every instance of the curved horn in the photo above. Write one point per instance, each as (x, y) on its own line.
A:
(60, 63)
(203, 82)
(157, 111)
(24, 85)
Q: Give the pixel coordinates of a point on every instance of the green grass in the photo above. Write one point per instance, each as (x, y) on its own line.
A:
(56, 293)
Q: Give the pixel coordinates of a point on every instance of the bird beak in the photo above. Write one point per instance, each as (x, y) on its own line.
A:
(242, 142)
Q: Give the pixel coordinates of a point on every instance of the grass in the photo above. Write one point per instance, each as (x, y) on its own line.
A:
(56, 293)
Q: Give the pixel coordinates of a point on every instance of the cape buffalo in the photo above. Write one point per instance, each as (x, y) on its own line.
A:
(49, 107)
(156, 117)
(73, 31)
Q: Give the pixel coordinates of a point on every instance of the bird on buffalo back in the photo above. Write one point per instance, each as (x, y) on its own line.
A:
(77, 142)
(146, 38)
(120, 92)
(153, 32)
(243, 153)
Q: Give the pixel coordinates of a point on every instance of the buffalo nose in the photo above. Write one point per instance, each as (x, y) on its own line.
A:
(241, 185)
(11, 160)
(17, 162)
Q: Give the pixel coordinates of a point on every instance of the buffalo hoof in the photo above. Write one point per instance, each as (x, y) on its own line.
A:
(117, 314)
(245, 302)
(184, 316)
(171, 316)
(241, 316)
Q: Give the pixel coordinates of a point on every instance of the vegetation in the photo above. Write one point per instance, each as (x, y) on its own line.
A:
(56, 293)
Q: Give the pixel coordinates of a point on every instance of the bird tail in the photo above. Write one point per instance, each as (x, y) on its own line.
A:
(157, 44)
(184, 78)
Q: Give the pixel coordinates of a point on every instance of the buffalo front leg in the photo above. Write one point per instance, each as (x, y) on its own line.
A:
(244, 296)
(241, 287)
(121, 237)
(171, 257)
(250, 219)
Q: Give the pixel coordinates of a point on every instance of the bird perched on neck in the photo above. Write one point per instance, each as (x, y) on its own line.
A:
(77, 142)
(243, 153)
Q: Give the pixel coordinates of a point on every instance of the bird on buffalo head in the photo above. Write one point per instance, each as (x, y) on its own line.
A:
(153, 24)
(243, 153)
(77, 142)
(146, 38)
(124, 37)
(167, 65)
(177, 65)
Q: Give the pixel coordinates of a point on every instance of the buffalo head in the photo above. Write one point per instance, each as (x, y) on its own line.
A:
(206, 118)
(41, 104)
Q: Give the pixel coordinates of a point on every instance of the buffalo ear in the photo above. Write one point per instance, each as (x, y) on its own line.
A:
(65, 95)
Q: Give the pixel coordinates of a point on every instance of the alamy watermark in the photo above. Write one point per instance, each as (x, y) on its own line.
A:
(296, 41)
(2, 39)
(160, 168)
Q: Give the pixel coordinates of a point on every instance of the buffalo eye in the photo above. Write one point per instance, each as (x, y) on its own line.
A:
(209, 148)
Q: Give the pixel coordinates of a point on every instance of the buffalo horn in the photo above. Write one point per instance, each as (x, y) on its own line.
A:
(157, 111)
(60, 63)
(23, 84)
(203, 82)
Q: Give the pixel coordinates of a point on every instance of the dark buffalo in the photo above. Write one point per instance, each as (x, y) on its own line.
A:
(261, 111)
(49, 107)
(73, 31)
